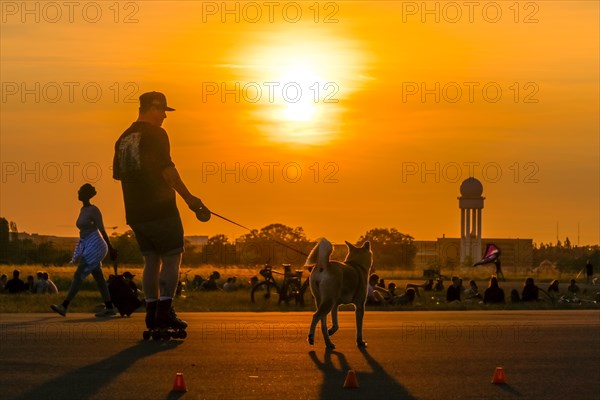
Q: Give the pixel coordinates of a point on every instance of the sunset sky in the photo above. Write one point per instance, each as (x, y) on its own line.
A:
(395, 110)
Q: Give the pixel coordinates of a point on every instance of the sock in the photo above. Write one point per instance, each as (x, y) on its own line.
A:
(65, 303)
(163, 298)
(108, 304)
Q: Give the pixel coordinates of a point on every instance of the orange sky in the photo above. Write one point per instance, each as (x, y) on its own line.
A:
(535, 148)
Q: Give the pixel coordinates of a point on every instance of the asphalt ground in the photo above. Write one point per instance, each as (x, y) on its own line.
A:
(410, 355)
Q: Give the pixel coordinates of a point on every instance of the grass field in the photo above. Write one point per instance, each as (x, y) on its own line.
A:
(88, 299)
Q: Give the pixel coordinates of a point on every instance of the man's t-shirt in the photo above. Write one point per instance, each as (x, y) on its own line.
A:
(142, 153)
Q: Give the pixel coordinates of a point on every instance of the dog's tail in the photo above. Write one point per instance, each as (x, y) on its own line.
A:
(320, 254)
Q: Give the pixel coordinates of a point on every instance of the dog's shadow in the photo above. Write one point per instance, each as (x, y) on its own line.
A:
(374, 384)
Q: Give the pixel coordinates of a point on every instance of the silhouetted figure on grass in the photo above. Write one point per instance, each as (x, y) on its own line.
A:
(50, 286)
(454, 290)
(553, 288)
(499, 272)
(514, 296)
(405, 299)
(493, 294)
(376, 294)
(427, 286)
(29, 284)
(589, 271)
(530, 291)
(211, 283)
(573, 288)
(472, 292)
(92, 247)
(15, 285)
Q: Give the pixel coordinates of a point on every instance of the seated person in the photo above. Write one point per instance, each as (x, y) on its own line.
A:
(530, 291)
(406, 299)
(454, 290)
(211, 283)
(52, 289)
(553, 288)
(230, 285)
(426, 286)
(472, 292)
(375, 293)
(514, 296)
(439, 285)
(128, 277)
(573, 288)
(493, 294)
(392, 289)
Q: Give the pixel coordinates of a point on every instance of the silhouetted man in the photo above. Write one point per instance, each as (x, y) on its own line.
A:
(149, 180)
(499, 269)
(589, 271)
(15, 285)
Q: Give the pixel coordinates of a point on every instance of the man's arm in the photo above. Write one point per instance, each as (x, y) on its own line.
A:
(174, 180)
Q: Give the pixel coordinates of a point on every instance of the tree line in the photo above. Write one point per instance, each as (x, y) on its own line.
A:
(276, 244)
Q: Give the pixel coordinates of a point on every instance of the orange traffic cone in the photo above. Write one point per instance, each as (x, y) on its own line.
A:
(499, 376)
(351, 382)
(179, 385)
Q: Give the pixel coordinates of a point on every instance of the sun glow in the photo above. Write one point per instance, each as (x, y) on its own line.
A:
(306, 77)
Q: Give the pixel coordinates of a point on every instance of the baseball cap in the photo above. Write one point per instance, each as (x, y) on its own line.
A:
(156, 99)
(128, 274)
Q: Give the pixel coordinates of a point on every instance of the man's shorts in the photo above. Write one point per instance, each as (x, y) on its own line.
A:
(162, 237)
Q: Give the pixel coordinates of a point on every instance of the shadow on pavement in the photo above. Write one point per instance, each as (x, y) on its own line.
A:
(374, 384)
(89, 380)
(509, 389)
(175, 395)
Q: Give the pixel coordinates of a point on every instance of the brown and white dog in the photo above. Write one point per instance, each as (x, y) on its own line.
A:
(334, 283)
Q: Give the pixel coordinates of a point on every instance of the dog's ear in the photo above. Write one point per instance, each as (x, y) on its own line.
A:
(350, 245)
(367, 245)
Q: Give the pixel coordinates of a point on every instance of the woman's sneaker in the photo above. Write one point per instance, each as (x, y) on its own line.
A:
(107, 312)
(59, 309)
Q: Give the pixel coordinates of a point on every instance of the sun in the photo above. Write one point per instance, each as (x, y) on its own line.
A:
(299, 95)
(304, 111)
(305, 77)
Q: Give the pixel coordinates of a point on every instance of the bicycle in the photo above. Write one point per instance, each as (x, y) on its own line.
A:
(291, 286)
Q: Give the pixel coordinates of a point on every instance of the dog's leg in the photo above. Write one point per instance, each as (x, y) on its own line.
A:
(322, 312)
(328, 343)
(334, 320)
(360, 313)
(313, 326)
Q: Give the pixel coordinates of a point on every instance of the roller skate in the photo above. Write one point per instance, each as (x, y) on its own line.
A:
(169, 325)
(151, 329)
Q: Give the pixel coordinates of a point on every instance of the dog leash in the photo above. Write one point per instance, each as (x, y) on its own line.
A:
(254, 233)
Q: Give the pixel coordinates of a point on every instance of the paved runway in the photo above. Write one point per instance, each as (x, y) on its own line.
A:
(411, 355)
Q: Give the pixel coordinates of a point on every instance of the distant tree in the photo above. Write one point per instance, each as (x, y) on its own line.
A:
(218, 250)
(278, 243)
(127, 248)
(565, 257)
(391, 248)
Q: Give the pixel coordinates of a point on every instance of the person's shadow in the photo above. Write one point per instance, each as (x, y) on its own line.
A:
(91, 378)
(374, 384)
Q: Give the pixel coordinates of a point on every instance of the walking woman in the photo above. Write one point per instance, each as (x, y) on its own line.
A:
(91, 249)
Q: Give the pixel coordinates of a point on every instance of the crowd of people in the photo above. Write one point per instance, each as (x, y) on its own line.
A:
(40, 284)
(379, 294)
